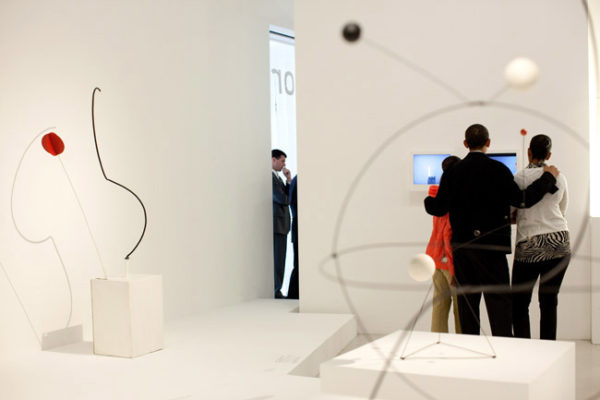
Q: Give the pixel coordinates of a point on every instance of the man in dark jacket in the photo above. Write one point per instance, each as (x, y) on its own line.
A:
(478, 193)
(281, 216)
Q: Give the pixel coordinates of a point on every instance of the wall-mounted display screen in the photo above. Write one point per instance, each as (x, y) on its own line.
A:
(427, 168)
(508, 159)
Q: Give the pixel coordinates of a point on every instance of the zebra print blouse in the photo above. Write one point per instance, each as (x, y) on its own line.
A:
(547, 246)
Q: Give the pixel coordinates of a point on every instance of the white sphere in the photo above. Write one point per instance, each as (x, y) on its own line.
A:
(521, 73)
(421, 267)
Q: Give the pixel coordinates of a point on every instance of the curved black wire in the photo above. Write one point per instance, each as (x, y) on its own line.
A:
(117, 183)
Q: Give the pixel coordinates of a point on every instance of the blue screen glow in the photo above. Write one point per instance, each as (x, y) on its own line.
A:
(508, 159)
(427, 168)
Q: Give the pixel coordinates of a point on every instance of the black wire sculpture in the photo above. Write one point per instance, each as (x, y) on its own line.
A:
(117, 183)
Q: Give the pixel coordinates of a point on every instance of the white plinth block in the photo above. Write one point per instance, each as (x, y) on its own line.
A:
(127, 315)
(522, 370)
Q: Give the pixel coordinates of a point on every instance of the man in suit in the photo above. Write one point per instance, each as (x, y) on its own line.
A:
(478, 192)
(281, 216)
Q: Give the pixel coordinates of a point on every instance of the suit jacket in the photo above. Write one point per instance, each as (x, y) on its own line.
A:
(294, 207)
(281, 202)
(478, 193)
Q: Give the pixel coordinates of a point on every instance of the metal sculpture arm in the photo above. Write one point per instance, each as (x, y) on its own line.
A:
(117, 183)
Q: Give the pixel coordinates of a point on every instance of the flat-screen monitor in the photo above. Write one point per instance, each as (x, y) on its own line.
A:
(508, 159)
(427, 168)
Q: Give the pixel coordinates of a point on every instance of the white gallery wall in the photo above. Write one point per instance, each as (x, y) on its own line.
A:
(182, 120)
(412, 84)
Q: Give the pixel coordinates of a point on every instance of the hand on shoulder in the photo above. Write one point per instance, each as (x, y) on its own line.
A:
(552, 169)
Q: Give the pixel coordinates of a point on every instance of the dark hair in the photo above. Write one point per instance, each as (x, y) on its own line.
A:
(448, 162)
(540, 147)
(476, 136)
(276, 154)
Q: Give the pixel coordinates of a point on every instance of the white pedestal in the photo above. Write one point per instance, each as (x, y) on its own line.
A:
(523, 369)
(127, 315)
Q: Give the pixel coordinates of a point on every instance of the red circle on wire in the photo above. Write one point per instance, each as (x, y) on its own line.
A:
(523, 132)
(53, 144)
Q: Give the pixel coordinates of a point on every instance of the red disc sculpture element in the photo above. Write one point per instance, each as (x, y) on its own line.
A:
(523, 132)
(53, 144)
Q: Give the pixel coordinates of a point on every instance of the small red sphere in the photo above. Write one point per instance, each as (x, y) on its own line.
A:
(53, 144)
(523, 132)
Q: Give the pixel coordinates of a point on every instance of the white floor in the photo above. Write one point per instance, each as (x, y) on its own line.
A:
(262, 350)
(244, 352)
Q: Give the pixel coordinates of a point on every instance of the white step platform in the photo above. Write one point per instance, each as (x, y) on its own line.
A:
(459, 367)
(260, 350)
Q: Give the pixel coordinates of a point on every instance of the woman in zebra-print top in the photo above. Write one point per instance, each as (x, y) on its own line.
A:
(543, 249)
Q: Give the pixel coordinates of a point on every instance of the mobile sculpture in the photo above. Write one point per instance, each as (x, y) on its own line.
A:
(55, 146)
(520, 74)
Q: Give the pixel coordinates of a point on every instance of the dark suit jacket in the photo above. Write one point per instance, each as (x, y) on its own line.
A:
(281, 210)
(478, 193)
(294, 207)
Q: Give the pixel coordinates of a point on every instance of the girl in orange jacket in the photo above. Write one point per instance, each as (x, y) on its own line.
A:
(440, 249)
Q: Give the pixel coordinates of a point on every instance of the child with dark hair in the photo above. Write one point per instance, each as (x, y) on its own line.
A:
(440, 250)
(542, 248)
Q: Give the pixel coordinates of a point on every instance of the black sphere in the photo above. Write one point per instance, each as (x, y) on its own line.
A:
(351, 32)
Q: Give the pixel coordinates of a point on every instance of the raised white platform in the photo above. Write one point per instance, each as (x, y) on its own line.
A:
(455, 369)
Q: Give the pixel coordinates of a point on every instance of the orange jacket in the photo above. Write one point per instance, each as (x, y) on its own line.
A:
(439, 247)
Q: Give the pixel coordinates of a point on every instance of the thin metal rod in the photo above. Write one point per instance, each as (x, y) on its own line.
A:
(412, 328)
(87, 223)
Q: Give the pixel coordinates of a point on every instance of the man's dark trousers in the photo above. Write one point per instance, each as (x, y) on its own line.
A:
(279, 251)
(475, 268)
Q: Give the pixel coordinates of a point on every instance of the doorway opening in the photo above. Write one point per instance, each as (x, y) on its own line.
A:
(283, 112)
